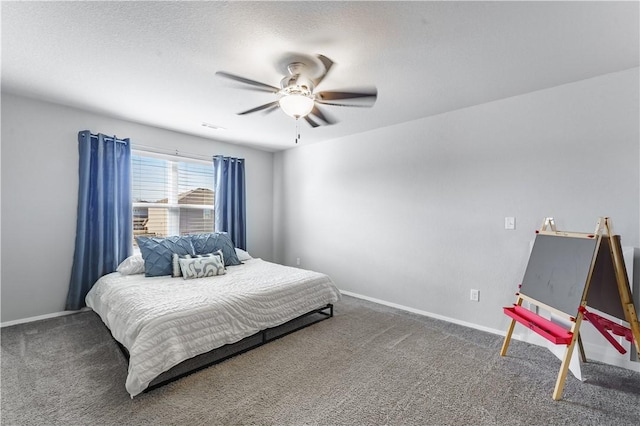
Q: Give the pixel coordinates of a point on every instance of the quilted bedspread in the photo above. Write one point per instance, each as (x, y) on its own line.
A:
(163, 321)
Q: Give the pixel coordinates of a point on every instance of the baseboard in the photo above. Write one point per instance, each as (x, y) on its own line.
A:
(425, 313)
(594, 352)
(40, 317)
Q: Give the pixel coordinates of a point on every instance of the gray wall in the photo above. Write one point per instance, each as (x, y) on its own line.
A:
(40, 187)
(413, 214)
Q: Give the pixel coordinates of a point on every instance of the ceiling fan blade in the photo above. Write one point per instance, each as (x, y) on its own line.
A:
(257, 85)
(328, 63)
(338, 95)
(273, 104)
(322, 116)
(346, 105)
(310, 121)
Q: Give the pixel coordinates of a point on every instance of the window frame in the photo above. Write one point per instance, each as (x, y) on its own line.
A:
(172, 206)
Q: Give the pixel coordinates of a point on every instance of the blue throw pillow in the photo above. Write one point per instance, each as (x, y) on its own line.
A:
(210, 243)
(158, 253)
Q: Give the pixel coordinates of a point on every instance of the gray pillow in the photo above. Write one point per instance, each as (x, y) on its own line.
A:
(210, 243)
(198, 267)
(177, 271)
(158, 253)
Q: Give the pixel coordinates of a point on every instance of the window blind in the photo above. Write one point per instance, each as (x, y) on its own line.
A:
(171, 197)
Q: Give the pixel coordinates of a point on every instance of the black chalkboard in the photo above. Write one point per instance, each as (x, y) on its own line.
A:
(557, 271)
(603, 289)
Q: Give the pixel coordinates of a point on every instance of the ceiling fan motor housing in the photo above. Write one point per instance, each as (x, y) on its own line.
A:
(297, 81)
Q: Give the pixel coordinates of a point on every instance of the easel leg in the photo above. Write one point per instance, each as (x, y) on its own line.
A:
(562, 375)
(564, 368)
(507, 338)
(623, 287)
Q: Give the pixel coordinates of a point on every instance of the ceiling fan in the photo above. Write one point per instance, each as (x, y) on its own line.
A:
(297, 96)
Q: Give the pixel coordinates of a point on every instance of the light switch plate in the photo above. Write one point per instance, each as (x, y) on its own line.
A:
(510, 223)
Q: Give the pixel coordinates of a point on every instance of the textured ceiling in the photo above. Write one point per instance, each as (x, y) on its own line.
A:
(154, 62)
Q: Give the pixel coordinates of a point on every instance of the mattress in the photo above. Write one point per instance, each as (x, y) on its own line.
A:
(163, 321)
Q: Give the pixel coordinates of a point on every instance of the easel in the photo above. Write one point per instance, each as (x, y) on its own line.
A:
(596, 255)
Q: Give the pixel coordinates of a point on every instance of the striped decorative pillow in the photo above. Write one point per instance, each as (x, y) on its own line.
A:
(177, 271)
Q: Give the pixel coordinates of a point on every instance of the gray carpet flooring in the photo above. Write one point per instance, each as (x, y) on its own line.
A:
(369, 365)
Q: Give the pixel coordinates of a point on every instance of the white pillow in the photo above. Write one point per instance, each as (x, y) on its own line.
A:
(242, 255)
(132, 265)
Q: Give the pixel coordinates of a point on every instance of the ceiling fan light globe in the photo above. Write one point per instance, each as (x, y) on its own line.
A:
(296, 105)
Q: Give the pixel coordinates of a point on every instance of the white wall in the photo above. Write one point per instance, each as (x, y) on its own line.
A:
(413, 214)
(40, 187)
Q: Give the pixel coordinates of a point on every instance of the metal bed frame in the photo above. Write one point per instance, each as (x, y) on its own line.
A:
(230, 350)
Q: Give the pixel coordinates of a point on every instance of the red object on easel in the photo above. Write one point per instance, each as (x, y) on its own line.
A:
(542, 326)
(604, 325)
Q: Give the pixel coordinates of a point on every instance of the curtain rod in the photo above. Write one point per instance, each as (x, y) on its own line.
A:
(173, 152)
(163, 151)
(111, 138)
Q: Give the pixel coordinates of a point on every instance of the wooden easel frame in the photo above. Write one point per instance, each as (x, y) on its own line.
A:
(603, 226)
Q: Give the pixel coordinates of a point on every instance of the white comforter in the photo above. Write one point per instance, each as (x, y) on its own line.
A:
(163, 321)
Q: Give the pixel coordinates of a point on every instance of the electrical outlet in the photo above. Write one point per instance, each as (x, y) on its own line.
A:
(297, 261)
(475, 295)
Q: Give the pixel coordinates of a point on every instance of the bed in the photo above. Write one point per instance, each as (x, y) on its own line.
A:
(164, 321)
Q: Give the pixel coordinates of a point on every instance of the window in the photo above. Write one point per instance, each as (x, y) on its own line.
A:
(171, 197)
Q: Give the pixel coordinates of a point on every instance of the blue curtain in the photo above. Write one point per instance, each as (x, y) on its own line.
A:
(104, 229)
(230, 214)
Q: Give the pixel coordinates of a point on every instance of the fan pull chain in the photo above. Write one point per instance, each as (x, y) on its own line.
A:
(297, 131)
